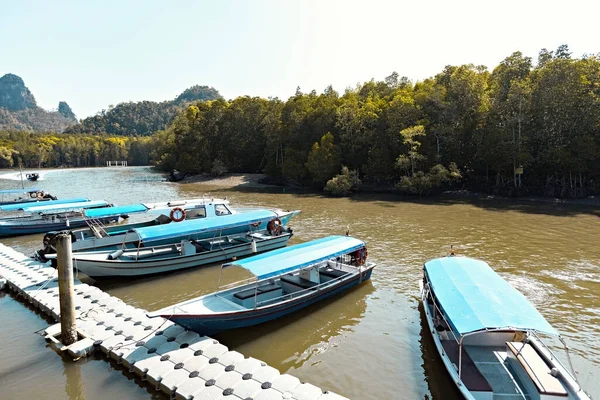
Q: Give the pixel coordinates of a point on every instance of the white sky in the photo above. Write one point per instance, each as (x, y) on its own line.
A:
(101, 53)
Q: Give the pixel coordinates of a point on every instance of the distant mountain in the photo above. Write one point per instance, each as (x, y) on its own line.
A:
(142, 118)
(19, 110)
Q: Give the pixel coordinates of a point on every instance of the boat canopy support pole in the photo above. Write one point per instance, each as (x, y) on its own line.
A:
(460, 358)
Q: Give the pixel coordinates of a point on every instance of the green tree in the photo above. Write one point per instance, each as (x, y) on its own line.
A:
(323, 160)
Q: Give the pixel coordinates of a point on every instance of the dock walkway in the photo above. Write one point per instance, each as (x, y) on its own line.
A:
(178, 362)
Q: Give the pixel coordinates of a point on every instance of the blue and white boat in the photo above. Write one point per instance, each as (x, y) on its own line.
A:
(187, 253)
(285, 281)
(195, 221)
(98, 236)
(21, 206)
(48, 217)
(489, 335)
(24, 196)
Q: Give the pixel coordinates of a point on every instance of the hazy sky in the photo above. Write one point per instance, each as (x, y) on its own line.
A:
(95, 53)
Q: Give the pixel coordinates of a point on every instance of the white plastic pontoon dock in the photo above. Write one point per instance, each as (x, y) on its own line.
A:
(178, 362)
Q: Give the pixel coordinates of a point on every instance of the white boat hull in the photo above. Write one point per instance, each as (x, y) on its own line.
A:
(90, 265)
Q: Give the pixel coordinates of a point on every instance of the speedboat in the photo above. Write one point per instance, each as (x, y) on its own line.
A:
(490, 337)
(284, 281)
(23, 196)
(48, 217)
(34, 176)
(197, 221)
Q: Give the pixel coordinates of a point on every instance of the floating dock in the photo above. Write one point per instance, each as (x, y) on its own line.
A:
(178, 362)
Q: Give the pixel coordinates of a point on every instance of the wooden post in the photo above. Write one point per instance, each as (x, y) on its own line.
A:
(64, 258)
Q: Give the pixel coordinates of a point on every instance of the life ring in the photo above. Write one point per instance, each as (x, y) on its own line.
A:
(177, 214)
(274, 227)
(33, 195)
(360, 256)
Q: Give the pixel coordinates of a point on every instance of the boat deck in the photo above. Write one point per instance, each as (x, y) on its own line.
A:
(490, 362)
(484, 370)
(178, 362)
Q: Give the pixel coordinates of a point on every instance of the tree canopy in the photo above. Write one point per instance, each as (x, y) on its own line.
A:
(521, 128)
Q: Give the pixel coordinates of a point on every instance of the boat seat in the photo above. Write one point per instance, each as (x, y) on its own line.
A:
(268, 288)
(333, 273)
(297, 281)
(536, 368)
(245, 294)
(470, 374)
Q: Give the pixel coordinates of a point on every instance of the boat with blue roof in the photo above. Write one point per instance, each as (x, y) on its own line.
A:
(23, 196)
(194, 221)
(491, 339)
(49, 216)
(98, 236)
(284, 281)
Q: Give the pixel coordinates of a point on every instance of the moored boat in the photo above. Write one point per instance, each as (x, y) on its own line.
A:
(149, 260)
(489, 336)
(194, 221)
(285, 281)
(23, 196)
(99, 237)
(48, 217)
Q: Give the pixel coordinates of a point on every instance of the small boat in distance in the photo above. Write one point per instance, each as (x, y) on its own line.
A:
(285, 281)
(34, 176)
(488, 335)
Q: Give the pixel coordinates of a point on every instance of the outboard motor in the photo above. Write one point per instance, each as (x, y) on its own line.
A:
(48, 242)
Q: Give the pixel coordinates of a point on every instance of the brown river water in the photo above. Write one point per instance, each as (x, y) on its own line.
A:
(367, 344)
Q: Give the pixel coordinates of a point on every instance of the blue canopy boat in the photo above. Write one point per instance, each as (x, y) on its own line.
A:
(23, 196)
(488, 335)
(22, 206)
(195, 221)
(285, 280)
(48, 217)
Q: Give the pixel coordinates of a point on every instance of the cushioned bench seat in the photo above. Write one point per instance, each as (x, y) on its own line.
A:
(268, 288)
(332, 273)
(245, 294)
(536, 368)
(248, 293)
(297, 281)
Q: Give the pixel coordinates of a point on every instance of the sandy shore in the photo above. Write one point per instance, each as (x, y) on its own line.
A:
(229, 180)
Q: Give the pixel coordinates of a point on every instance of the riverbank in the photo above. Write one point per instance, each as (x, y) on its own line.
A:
(255, 181)
(230, 181)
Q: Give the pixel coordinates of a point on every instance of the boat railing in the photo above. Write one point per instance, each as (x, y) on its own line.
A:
(96, 227)
(238, 283)
(181, 309)
(540, 343)
(429, 293)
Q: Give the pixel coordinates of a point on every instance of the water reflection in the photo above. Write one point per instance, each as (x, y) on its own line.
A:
(73, 383)
(295, 338)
